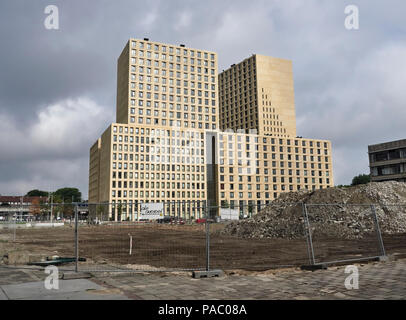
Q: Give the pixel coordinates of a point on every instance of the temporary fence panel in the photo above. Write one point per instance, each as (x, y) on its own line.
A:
(37, 232)
(342, 233)
(260, 243)
(172, 242)
(392, 224)
(191, 235)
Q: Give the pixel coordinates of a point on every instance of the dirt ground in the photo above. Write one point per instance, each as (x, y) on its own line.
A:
(184, 247)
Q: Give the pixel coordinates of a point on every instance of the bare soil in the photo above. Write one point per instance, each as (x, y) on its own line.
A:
(184, 247)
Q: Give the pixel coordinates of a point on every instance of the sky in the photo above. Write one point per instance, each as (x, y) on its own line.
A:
(58, 87)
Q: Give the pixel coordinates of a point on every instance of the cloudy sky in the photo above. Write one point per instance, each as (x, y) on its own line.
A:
(58, 87)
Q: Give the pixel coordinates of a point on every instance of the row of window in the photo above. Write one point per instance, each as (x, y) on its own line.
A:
(274, 178)
(248, 145)
(241, 68)
(266, 140)
(151, 132)
(161, 167)
(159, 79)
(174, 123)
(178, 83)
(266, 195)
(164, 97)
(177, 51)
(179, 115)
(152, 185)
(235, 96)
(158, 160)
(168, 194)
(266, 187)
(249, 163)
(164, 66)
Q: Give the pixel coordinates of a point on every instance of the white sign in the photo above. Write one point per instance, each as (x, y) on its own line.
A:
(229, 214)
(152, 211)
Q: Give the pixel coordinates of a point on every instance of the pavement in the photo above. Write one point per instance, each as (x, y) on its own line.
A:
(376, 281)
(28, 284)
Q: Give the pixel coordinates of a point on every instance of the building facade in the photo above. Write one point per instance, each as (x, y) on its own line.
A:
(258, 94)
(19, 205)
(387, 161)
(186, 136)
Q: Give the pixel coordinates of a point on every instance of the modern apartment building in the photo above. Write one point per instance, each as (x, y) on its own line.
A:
(258, 94)
(387, 161)
(178, 141)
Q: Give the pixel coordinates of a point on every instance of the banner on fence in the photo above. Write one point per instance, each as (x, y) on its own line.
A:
(152, 211)
(229, 214)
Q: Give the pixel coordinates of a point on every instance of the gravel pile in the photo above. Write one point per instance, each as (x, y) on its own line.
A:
(347, 215)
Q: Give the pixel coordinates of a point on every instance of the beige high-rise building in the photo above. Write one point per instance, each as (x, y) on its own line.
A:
(258, 94)
(167, 146)
(155, 152)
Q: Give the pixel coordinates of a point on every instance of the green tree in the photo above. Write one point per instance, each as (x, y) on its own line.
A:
(361, 179)
(68, 195)
(36, 193)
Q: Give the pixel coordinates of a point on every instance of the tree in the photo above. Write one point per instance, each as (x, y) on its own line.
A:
(361, 179)
(36, 193)
(343, 186)
(68, 194)
(225, 204)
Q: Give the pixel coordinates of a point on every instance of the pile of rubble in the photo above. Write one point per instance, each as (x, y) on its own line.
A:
(344, 213)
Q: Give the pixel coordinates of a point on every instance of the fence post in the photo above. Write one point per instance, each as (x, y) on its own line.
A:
(378, 231)
(207, 245)
(15, 227)
(207, 210)
(76, 239)
(309, 240)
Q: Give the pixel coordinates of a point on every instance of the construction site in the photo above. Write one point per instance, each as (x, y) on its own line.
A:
(300, 228)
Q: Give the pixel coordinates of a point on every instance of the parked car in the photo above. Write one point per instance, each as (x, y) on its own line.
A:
(200, 220)
(177, 220)
(166, 219)
(180, 221)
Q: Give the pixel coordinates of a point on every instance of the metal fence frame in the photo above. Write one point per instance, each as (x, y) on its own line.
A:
(312, 260)
(207, 210)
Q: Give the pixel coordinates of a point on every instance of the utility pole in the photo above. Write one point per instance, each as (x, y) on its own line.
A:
(52, 203)
(21, 211)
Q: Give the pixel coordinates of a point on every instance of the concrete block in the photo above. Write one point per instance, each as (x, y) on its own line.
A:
(207, 274)
(314, 267)
(386, 258)
(75, 275)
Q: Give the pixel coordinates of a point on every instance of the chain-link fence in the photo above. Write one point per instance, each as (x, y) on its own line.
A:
(342, 233)
(253, 241)
(8, 226)
(192, 236)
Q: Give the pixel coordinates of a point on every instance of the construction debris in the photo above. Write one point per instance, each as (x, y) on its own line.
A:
(343, 213)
